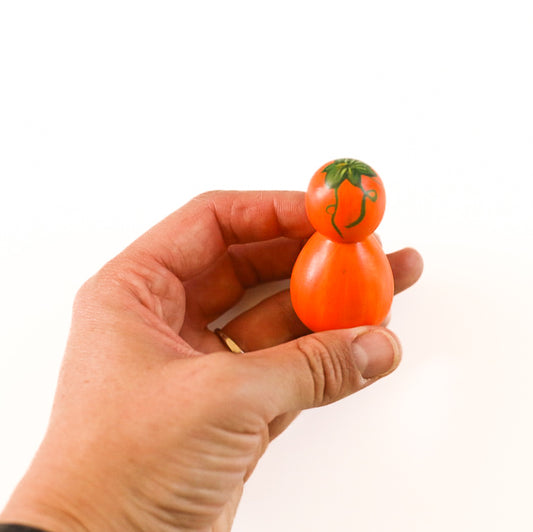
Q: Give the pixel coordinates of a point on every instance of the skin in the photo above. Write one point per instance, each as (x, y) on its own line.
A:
(156, 425)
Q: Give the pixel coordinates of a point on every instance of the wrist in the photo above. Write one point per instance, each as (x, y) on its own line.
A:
(37, 504)
(11, 527)
(60, 494)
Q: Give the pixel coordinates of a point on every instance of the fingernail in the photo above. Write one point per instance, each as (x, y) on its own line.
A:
(377, 352)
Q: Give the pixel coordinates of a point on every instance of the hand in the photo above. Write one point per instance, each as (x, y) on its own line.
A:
(155, 425)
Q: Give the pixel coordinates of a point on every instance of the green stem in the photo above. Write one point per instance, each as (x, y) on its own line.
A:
(335, 212)
(367, 194)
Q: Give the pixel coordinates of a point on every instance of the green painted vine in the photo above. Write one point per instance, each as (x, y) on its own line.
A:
(352, 170)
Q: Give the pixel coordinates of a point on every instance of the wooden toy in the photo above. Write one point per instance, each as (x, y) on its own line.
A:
(342, 277)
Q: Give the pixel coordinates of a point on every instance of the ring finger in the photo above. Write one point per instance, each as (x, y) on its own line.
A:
(271, 322)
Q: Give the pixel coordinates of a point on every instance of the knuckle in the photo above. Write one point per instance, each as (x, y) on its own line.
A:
(98, 289)
(86, 292)
(327, 367)
(208, 197)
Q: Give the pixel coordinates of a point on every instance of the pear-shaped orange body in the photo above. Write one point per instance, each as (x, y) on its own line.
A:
(337, 286)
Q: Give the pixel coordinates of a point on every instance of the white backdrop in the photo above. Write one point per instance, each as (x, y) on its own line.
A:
(113, 114)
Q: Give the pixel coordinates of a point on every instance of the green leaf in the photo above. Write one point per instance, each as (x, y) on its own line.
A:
(350, 169)
(354, 178)
(363, 168)
(334, 176)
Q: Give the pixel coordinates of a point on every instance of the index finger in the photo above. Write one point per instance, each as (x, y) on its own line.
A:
(195, 236)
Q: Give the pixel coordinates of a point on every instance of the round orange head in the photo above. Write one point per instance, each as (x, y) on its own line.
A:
(345, 200)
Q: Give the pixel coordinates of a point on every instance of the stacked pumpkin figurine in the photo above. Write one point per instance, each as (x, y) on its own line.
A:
(342, 278)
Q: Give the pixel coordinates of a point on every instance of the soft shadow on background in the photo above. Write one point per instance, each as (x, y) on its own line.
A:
(113, 114)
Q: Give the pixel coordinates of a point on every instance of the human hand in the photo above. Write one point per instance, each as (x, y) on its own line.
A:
(155, 425)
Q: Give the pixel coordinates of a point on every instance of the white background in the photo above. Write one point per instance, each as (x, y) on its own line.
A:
(113, 114)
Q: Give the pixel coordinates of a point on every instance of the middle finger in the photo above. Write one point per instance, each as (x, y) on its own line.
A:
(243, 266)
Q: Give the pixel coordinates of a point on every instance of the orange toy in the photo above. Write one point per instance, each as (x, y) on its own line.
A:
(342, 278)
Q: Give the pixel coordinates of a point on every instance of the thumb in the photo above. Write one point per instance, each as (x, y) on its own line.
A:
(324, 367)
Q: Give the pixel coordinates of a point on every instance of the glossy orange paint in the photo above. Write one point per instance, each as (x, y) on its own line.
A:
(332, 210)
(342, 278)
(337, 286)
